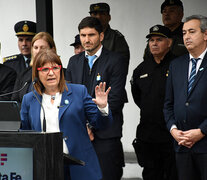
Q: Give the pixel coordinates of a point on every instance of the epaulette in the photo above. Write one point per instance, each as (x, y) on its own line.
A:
(9, 58)
(119, 34)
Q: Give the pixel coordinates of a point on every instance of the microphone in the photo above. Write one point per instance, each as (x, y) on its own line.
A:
(5, 94)
(34, 81)
(44, 119)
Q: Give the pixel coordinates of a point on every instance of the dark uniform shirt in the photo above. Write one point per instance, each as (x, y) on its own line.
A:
(16, 62)
(24, 77)
(148, 90)
(115, 41)
(7, 80)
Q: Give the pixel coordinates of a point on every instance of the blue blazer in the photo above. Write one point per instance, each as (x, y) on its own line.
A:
(187, 111)
(72, 122)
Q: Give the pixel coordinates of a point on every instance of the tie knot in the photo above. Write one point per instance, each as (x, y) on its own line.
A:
(194, 60)
(90, 60)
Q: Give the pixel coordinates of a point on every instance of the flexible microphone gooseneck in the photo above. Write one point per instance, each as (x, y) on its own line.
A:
(44, 119)
(5, 94)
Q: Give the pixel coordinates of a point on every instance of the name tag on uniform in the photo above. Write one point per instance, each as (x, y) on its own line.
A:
(143, 76)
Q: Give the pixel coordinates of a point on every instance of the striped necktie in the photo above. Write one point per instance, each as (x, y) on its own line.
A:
(192, 74)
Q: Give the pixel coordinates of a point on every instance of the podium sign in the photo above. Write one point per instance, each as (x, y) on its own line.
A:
(40, 155)
(16, 163)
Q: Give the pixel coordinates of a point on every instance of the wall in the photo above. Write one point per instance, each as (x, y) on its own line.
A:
(133, 18)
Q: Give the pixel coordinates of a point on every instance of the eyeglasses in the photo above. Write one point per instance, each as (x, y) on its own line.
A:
(46, 70)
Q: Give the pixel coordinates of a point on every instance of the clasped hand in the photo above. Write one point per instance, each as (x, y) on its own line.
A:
(101, 95)
(187, 138)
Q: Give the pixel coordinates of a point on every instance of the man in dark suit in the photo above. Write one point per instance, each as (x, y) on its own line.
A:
(25, 31)
(107, 67)
(7, 80)
(186, 101)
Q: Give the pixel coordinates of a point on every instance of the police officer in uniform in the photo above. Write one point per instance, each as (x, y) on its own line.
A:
(153, 144)
(25, 31)
(78, 48)
(113, 39)
(172, 14)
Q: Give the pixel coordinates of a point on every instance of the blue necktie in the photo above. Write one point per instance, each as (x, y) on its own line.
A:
(90, 60)
(192, 74)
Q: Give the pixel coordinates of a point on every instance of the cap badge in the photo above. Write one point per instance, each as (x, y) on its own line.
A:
(96, 8)
(155, 28)
(172, 2)
(25, 28)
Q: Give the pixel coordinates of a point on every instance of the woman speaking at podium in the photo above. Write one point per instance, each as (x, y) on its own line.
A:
(56, 106)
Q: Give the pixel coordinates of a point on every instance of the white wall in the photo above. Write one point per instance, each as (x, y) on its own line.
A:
(133, 18)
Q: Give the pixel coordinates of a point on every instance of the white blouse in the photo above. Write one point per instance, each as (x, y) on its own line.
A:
(51, 115)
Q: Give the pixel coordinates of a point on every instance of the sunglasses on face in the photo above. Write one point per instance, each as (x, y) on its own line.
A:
(47, 69)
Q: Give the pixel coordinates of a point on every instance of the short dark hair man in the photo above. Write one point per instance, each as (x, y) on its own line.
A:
(106, 67)
(78, 48)
(154, 144)
(25, 31)
(113, 39)
(185, 102)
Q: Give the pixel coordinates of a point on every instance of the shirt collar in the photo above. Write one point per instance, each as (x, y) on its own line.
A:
(98, 53)
(201, 56)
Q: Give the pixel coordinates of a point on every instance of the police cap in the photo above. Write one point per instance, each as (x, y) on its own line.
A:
(77, 40)
(25, 28)
(99, 7)
(159, 30)
(171, 3)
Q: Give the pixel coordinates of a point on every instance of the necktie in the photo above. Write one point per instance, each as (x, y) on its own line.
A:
(90, 60)
(28, 62)
(192, 74)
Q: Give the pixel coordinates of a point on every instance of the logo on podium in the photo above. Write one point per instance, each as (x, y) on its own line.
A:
(3, 158)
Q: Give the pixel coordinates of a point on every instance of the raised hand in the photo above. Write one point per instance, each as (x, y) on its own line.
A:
(101, 95)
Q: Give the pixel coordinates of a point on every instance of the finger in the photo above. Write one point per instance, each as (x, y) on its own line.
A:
(181, 142)
(108, 90)
(97, 89)
(104, 86)
(94, 100)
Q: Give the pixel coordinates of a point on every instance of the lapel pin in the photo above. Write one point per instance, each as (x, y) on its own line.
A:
(98, 78)
(143, 76)
(201, 69)
(66, 101)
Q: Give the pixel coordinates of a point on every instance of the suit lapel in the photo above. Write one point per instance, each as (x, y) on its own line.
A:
(80, 66)
(65, 101)
(100, 66)
(200, 72)
(185, 69)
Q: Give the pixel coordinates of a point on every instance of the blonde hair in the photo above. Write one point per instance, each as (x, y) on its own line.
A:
(46, 37)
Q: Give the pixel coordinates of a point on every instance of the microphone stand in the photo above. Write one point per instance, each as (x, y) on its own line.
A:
(5, 94)
(44, 119)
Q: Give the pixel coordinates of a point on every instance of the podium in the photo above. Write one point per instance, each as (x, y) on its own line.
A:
(40, 154)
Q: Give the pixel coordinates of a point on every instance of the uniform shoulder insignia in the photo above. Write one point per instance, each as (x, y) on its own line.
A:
(119, 34)
(9, 58)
